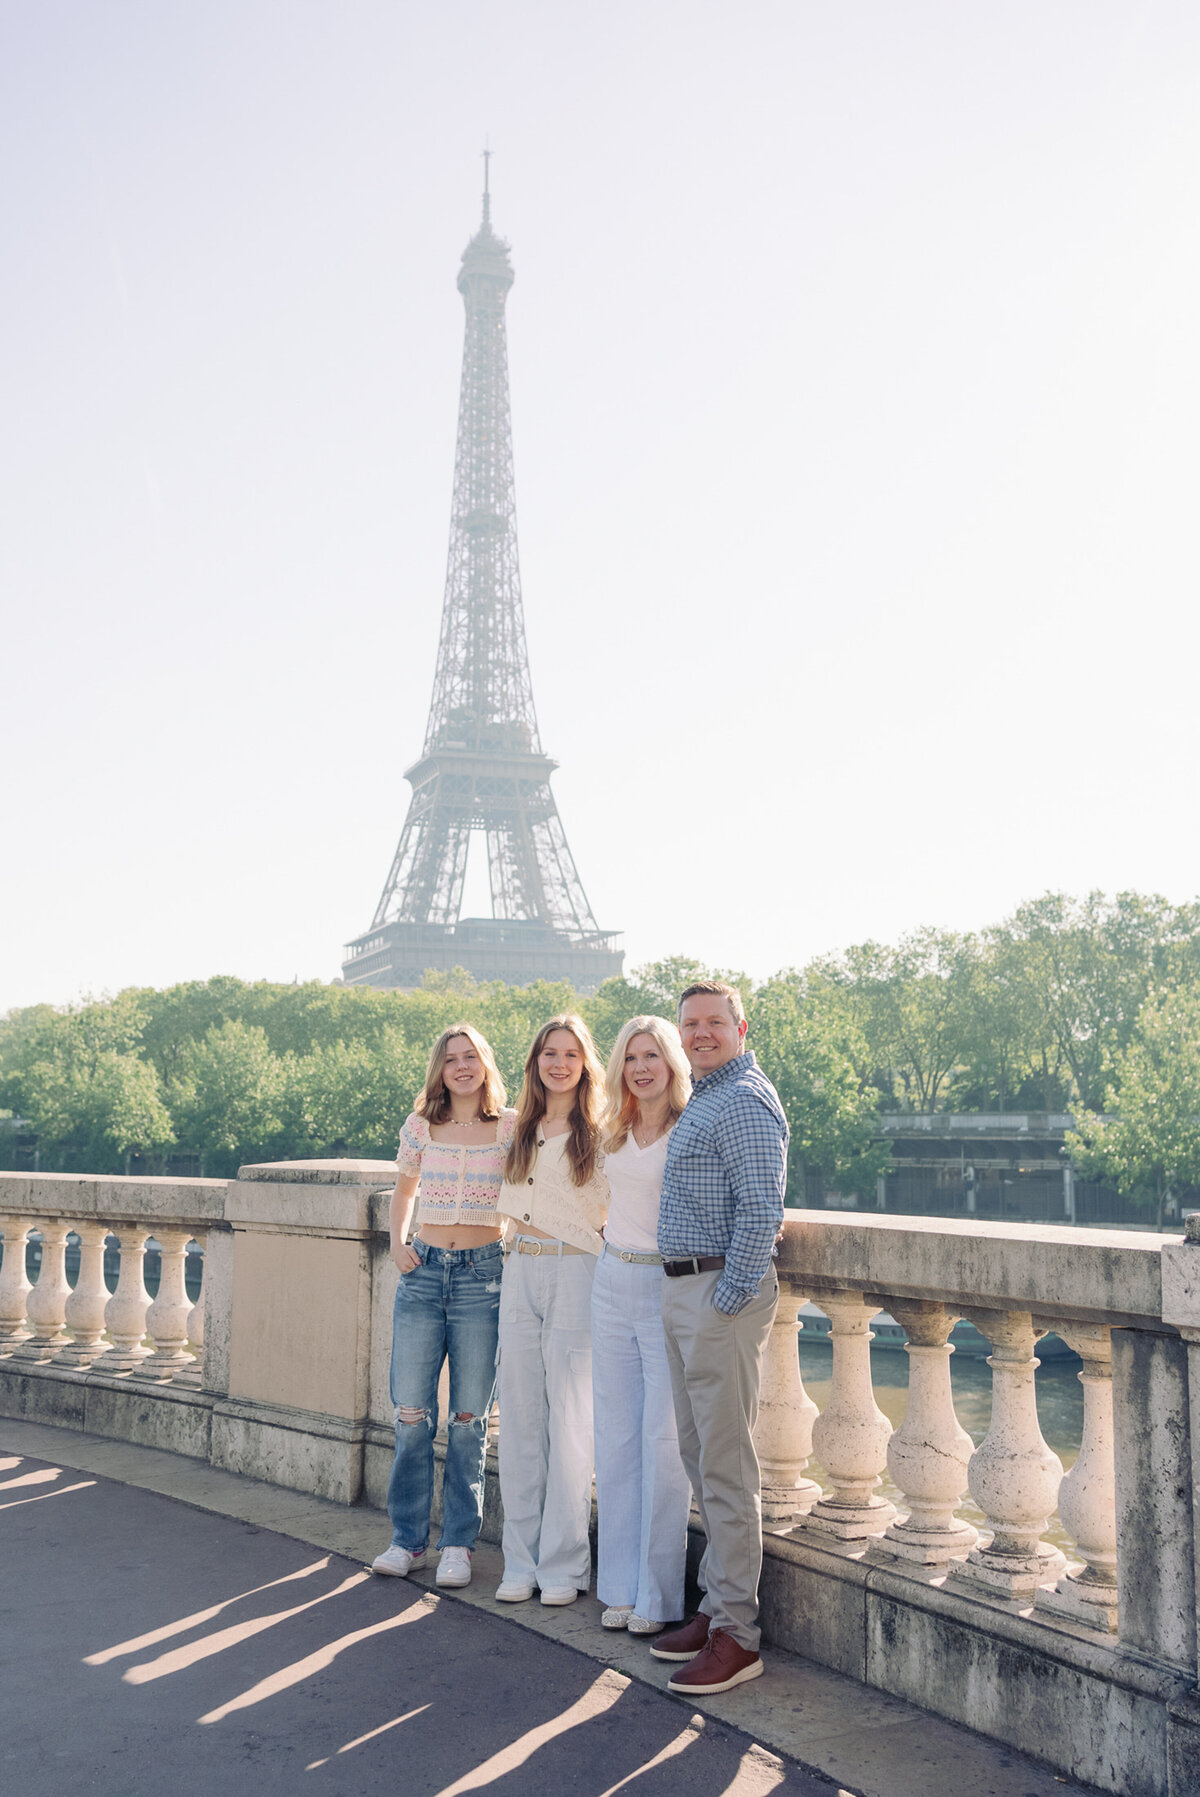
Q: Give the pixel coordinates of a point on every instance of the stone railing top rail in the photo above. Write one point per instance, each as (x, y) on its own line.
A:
(1096, 1275)
(113, 1198)
(1099, 1275)
(337, 1194)
(322, 1173)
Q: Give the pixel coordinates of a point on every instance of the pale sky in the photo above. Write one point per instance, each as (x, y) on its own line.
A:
(855, 378)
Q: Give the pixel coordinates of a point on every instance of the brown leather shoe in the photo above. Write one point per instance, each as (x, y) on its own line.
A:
(721, 1666)
(683, 1643)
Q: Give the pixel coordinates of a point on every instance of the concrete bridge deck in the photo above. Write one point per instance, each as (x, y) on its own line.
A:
(166, 1620)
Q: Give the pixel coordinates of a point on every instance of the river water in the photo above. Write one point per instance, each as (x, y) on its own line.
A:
(1059, 1401)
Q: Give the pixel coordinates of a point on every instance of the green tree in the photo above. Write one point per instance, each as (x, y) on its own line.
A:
(831, 1116)
(226, 1099)
(77, 1078)
(1149, 1146)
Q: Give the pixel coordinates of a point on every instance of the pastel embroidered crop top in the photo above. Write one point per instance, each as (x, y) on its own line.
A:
(460, 1182)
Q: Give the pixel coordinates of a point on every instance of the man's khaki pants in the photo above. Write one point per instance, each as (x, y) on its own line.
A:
(716, 1370)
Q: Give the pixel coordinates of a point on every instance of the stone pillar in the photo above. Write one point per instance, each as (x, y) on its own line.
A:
(125, 1312)
(851, 1434)
(46, 1306)
(1014, 1477)
(929, 1453)
(14, 1283)
(167, 1317)
(85, 1306)
(1087, 1499)
(1156, 1559)
(783, 1433)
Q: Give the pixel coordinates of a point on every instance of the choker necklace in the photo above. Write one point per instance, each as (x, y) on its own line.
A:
(457, 1123)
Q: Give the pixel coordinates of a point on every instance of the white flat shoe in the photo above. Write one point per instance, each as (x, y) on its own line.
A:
(642, 1625)
(617, 1617)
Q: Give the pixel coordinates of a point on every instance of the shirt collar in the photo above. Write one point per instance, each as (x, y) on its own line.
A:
(736, 1065)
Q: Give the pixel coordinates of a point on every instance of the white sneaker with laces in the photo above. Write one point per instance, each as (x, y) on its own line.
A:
(397, 1562)
(454, 1566)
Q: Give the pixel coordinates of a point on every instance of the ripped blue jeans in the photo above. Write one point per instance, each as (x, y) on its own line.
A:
(448, 1307)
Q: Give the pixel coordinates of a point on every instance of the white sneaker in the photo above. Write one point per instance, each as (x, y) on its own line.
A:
(454, 1566)
(617, 1617)
(560, 1594)
(397, 1562)
(513, 1591)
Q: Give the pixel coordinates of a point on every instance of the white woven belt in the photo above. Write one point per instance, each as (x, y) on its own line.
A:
(637, 1260)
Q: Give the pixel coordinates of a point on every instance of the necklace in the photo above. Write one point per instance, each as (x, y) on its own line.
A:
(660, 1131)
(457, 1123)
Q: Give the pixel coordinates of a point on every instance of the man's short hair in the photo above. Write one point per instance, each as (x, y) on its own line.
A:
(719, 989)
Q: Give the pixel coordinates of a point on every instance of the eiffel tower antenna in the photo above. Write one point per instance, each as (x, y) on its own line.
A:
(482, 767)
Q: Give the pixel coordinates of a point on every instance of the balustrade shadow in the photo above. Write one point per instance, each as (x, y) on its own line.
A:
(163, 1641)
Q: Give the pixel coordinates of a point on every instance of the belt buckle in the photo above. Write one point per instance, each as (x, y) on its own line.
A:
(624, 1255)
(533, 1247)
(695, 1260)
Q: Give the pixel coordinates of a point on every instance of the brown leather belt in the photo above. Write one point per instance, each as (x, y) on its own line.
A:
(699, 1263)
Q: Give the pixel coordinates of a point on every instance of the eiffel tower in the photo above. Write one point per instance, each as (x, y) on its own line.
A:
(482, 766)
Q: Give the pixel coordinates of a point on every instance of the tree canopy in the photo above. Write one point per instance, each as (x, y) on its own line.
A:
(1073, 1005)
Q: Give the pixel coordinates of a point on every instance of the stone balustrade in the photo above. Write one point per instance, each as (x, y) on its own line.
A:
(1089, 1659)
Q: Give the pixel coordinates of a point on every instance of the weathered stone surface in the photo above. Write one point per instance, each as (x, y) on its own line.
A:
(111, 1199)
(1087, 1273)
(303, 1450)
(1155, 1525)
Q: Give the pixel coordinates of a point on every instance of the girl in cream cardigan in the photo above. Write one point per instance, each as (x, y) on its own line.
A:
(556, 1194)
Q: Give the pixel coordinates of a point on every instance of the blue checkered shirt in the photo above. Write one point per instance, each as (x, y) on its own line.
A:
(722, 1191)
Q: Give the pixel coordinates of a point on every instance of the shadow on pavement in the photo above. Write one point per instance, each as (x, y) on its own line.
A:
(147, 1643)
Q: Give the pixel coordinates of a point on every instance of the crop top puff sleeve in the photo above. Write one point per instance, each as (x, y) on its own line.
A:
(460, 1182)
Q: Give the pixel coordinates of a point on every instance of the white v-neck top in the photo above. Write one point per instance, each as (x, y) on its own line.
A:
(635, 1177)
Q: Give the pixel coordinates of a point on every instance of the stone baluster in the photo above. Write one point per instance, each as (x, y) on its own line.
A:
(167, 1317)
(783, 1432)
(14, 1283)
(84, 1314)
(1087, 1497)
(125, 1312)
(191, 1372)
(850, 1436)
(1014, 1476)
(929, 1453)
(46, 1306)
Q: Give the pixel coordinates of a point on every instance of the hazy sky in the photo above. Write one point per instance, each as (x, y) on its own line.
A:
(856, 378)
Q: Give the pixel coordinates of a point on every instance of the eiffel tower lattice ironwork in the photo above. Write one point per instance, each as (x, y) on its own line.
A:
(482, 767)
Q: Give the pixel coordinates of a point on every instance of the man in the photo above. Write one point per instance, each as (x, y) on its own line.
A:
(721, 1210)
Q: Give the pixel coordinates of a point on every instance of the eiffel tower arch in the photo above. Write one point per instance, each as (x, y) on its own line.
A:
(482, 767)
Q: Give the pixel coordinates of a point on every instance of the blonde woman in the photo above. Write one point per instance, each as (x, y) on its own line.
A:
(642, 1491)
(451, 1165)
(557, 1195)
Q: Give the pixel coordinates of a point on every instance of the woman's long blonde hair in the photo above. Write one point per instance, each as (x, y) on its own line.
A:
(621, 1107)
(434, 1102)
(583, 1136)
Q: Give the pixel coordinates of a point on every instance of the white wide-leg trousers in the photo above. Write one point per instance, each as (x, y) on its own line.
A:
(642, 1491)
(545, 1391)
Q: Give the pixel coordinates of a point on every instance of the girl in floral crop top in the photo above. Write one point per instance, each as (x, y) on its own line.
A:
(451, 1166)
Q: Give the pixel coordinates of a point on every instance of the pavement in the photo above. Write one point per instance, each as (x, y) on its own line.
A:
(162, 1620)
